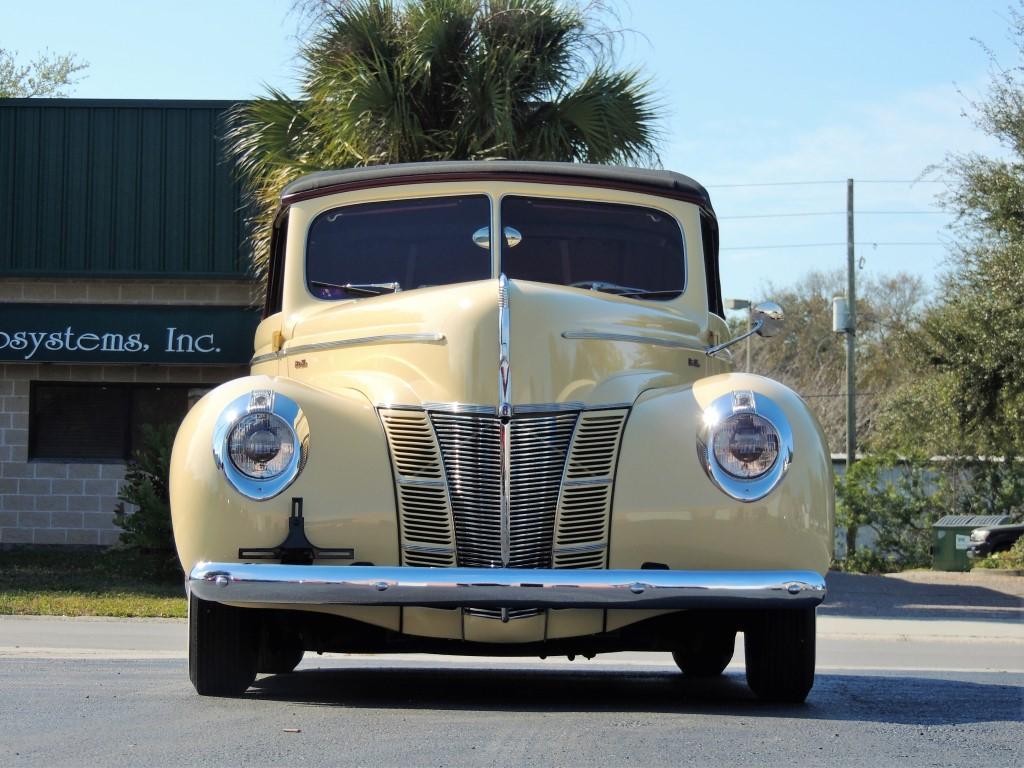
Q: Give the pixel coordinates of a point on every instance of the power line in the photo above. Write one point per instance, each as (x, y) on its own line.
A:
(828, 245)
(825, 181)
(842, 394)
(834, 213)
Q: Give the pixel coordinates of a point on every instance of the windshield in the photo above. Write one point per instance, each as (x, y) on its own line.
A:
(624, 249)
(364, 250)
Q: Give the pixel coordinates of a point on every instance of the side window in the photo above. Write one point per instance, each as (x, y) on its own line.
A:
(275, 270)
(709, 238)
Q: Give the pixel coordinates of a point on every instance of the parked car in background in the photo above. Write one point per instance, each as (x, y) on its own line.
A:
(492, 411)
(990, 539)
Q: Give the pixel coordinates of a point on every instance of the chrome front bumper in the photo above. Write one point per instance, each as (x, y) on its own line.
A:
(300, 585)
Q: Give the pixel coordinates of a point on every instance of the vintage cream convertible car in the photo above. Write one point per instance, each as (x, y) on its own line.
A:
(491, 412)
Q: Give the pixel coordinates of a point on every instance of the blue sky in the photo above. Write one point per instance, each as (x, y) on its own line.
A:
(756, 93)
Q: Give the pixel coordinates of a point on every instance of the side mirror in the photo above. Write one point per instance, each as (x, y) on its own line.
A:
(765, 320)
(767, 317)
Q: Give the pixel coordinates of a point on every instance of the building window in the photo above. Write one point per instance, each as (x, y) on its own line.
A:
(99, 422)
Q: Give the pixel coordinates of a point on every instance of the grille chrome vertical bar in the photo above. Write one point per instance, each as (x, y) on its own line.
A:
(504, 366)
(505, 417)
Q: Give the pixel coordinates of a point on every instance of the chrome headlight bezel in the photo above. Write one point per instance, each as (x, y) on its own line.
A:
(714, 418)
(280, 406)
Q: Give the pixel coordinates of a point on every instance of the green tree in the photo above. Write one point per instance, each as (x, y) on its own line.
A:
(389, 82)
(811, 359)
(967, 394)
(964, 397)
(145, 487)
(46, 75)
(900, 498)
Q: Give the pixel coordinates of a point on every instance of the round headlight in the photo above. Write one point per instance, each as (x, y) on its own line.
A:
(261, 445)
(746, 445)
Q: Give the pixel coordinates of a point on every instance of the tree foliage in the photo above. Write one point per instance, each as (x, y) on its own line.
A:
(46, 75)
(967, 393)
(811, 359)
(899, 497)
(390, 82)
(145, 487)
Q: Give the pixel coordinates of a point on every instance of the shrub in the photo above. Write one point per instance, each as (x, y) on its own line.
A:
(1011, 559)
(899, 498)
(147, 529)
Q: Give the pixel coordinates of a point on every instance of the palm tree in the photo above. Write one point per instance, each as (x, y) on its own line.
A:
(385, 81)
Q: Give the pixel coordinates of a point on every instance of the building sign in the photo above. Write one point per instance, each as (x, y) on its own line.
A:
(123, 333)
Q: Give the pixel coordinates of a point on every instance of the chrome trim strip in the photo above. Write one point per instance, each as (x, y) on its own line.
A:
(391, 338)
(577, 548)
(419, 482)
(481, 410)
(585, 481)
(428, 549)
(572, 405)
(490, 410)
(503, 587)
(504, 364)
(505, 415)
(601, 336)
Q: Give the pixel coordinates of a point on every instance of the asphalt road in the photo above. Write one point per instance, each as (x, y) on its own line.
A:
(941, 684)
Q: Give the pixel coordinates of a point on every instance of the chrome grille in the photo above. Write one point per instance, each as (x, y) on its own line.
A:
(448, 467)
(584, 505)
(470, 447)
(471, 451)
(424, 511)
(539, 447)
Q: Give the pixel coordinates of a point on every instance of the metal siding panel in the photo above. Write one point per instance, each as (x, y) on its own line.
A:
(200, 186)
(125, 211)
(100, 248)
(93, 187)
(51, 207)
(7, 198)
(26, 182)
(76, 190)
(224, 209)
(175, 208)
(151, 190)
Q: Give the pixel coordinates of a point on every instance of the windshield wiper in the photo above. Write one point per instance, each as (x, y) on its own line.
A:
(624, 290)
(362, 289)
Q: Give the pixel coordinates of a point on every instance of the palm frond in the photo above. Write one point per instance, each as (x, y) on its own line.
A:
(389, 81)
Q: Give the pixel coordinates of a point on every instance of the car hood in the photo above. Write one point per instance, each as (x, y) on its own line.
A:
(442, 345)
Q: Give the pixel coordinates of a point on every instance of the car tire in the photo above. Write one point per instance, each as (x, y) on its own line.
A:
(222, 649)
(779, 649)
(709, 657)
(279, 653)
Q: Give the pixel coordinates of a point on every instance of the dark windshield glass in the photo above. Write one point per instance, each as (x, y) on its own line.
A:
(624, 249)
(411, 243)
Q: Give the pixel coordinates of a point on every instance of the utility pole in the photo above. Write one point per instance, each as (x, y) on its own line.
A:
(851, 335)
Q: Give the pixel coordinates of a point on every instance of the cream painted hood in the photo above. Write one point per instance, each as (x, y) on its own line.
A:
(442, 345)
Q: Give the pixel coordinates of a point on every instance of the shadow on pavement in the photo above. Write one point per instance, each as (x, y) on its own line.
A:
(867, 698)
(851, 594)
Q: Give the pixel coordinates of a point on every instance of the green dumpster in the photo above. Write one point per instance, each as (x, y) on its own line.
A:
(952, 536)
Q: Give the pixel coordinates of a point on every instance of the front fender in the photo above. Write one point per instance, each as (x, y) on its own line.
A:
(346, 484)
(667, 510)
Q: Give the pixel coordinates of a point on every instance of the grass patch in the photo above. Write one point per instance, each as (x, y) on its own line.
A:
(77, 583)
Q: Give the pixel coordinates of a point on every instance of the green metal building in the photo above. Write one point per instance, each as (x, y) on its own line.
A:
(123, 296)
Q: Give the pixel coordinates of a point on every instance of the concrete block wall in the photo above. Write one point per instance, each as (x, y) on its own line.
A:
(46, 502)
